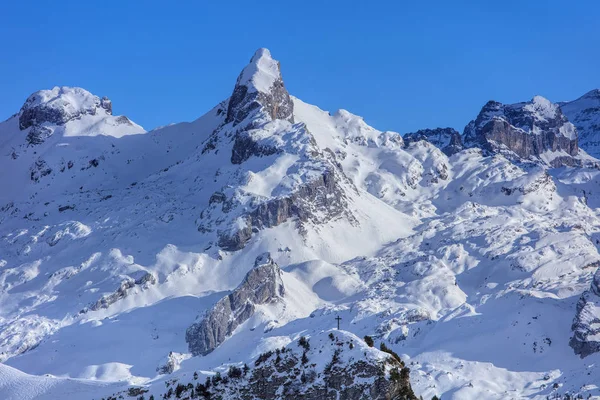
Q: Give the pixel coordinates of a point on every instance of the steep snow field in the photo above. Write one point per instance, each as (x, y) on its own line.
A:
(111, 245)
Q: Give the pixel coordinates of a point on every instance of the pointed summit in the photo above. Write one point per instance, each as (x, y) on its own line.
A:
(260, 88)
(261, 73)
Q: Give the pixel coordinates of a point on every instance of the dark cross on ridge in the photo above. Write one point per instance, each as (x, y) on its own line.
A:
(338, 321)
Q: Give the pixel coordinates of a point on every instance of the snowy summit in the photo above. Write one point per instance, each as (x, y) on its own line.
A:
(270, 249)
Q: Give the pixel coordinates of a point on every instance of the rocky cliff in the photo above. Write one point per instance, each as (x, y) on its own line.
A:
(262, 285)
(57, 107)
(586, 325)
(584, 113)
(446, 139)
(533, 130)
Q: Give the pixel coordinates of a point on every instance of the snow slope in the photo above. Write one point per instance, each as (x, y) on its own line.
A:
(469, 265)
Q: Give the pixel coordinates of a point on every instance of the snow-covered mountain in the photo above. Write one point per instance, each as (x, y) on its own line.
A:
(138, 263)
(584, 113)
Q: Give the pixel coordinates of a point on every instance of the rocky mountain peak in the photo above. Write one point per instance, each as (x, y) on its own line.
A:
(45, 109)
(526, 130)
(59, 105)
(260, 87)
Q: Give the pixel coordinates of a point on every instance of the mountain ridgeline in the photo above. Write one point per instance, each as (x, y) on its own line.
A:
(214, 258)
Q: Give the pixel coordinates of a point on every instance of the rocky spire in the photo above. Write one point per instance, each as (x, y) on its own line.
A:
(260, 87)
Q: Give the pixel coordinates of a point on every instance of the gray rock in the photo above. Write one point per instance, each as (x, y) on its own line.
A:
(245, 147)
(57, 107)
(275, 102)
(584, 113)
(282, 375)
(586, 325)
(143, 281)
(446, 139)
(323, 194)
(525, 130)
(262, 285)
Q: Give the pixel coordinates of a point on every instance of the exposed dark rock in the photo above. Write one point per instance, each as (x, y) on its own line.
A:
(106, 104)
(144, 280)
(246, 97)
(526, 130)
(586, 325)
(446, 139)
(39, 169)
(322, 194)
(352, 373)
(262, 285)
(57, 107)
(584, 113)
(245, 147)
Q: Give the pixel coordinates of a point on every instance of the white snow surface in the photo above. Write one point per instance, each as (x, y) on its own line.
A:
(469, 267)
(261, 72)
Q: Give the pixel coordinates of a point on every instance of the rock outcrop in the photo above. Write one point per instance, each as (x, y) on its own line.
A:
(584, 113)
(524, 130)
(331, 365)
(57, 107)
(260, 87)
(260, 123)
(446, 139)
(262, 285)
(322, 194)
(586, 325)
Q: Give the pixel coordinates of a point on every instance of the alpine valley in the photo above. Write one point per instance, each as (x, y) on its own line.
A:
(214, 259)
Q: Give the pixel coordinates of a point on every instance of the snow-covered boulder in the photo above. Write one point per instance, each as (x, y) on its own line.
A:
(262, 285)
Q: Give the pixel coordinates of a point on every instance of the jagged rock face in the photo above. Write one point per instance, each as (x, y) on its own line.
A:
(260, 86)
(57, 107)
(323, 194)
(446, 139)
(262, 285)
(584, 113)
(526, 130)
(143, 282)
(586, 325)
(244, 147)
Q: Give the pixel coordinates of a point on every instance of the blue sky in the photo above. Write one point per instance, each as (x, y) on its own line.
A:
(403, 65)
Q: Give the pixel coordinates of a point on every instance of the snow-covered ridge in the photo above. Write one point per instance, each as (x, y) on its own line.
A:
(469, 263)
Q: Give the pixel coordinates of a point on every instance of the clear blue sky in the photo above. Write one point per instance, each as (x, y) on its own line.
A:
(402, 65)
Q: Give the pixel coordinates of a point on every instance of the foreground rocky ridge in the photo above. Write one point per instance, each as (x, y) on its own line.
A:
(330, 365)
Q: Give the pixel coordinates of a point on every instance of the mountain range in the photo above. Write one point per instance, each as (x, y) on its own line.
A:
(216, 258)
